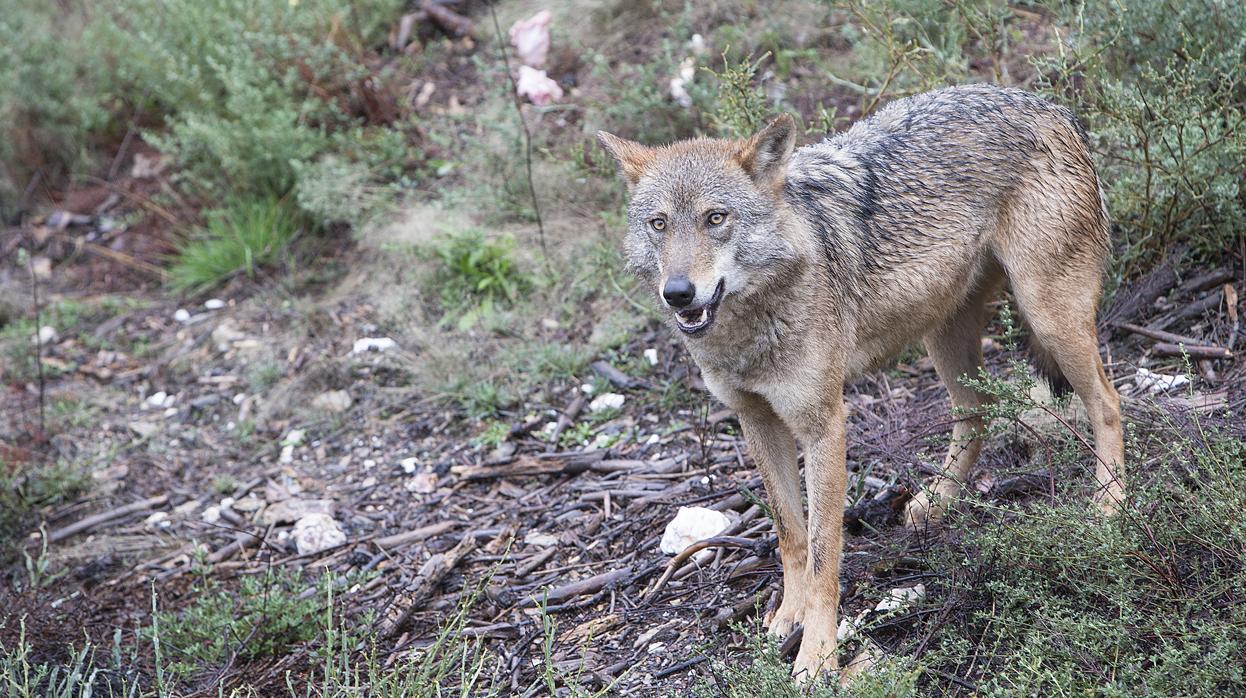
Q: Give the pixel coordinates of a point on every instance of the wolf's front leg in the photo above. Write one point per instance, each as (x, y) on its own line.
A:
(826, 480)
(773, 447)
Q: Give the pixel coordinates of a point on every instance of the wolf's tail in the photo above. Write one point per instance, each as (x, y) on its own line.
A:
(1047, 367)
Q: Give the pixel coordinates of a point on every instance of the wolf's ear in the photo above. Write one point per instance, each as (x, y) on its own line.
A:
(764, 156)
(633, 158)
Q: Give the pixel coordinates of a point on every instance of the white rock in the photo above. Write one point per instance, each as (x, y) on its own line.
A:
(652, 356)
(156, 399)
(287, 454)
(294, 437)
(690, 525)
(409, 465)
(606, 401)
(188, 507)
(316, 532)
(537, 87)
(367, 344)
(47, 335)
(290, 510)
(898, 598)
(181, 315)
(587, 389)
(144, 429)
(848, 628)
(227, 502)
(158, 519)
(226, 334)
(211, 515)
(1156, 383)
(214, 304)
(422, 483)
(333, 401)
(541, 540)
(653, 439)
(530, 37)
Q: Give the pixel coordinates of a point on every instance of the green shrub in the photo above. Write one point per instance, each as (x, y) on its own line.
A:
(474, 274)
(265, 618)
(1058, 602)
(239, 238)
(55, 94)
(1161, 85)
(249, 90)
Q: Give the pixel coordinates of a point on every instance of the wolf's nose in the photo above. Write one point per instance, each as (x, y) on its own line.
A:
(679, 292)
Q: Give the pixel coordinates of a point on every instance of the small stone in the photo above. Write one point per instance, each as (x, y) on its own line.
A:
(158, 519)
(422, 483)
(291, 510)
(316, 532)
(294, 437)
(606, 401)
(226, 334)
(540, 540)
(287, 454)
(378, 344)
(42, 267)
(549, 323)
(334, 401)
(144, 429)
(211, 515)
(47, 335)
(181, 315)
(248, 504)
(214, 304)
(651, 355)
(409, 465)
(692, 524)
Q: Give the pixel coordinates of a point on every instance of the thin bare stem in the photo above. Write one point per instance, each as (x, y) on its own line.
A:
(527, 134)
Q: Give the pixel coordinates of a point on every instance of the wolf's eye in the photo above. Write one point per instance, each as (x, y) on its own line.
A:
(716, 218)
(658, 224)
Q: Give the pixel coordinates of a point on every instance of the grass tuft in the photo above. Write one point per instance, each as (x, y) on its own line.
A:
(241, 237)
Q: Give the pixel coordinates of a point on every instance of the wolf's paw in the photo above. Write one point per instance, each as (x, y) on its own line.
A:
(816, 657)
(921, 514)
(783, 620)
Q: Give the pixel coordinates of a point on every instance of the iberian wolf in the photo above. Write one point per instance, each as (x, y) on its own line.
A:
(789, 273)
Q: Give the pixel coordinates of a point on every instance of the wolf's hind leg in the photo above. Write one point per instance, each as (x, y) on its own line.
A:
(956, 349)
(773, 447)
(1065, 330)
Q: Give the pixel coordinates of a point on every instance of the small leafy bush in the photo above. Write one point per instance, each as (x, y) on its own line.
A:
(265, 618)
(475, 273)
(55, 94)
(242, 237)
(1059, 602)
(1162, 87)
(250, 90)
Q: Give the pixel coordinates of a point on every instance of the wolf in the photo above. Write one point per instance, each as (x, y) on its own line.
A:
(790, 272)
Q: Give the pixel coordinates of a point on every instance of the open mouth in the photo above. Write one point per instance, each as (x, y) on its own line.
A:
(694, 321)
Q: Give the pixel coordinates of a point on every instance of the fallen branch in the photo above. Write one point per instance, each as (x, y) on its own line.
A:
(1195, 351)
(414, 595)
(675, 562)
(101, 518)
(588, 585)
(417, 534)
(1157, 334)
(449, 20)
(552, 464)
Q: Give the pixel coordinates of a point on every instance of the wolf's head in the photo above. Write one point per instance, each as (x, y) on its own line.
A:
(704, 218)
